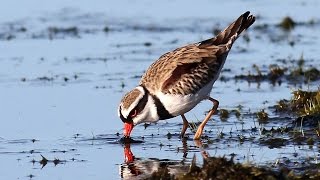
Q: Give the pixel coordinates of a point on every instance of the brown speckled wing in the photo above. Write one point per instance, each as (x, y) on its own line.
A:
(186, 70)
(183, 71)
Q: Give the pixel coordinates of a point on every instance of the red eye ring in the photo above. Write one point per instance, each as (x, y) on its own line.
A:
(134, 114)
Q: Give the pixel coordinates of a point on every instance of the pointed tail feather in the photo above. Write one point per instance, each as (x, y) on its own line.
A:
(239, 25)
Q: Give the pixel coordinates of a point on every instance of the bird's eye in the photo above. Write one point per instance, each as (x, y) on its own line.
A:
(134, 113)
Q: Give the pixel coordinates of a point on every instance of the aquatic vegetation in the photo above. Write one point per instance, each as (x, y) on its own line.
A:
(287, 23)
(302, 103)
(306, 102)
(282, 105)
(161, 173)
(224, 114)
(237, 113)
(276, 72)
(262, 116)
(310, 141)
(312, 74)
(294, 72)
(222, 168)
(313, 107)
(274, 142)
(61, 31)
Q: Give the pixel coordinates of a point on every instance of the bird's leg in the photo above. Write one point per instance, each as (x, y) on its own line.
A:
(185, 125)
(204, 153)
(204, 122)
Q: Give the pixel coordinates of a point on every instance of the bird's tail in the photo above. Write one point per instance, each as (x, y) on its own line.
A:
(232, 31)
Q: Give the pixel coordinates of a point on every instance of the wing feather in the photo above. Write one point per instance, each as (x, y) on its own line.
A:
(187, 69)
(172, 71)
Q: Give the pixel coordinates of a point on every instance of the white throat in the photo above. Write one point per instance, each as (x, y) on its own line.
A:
(180, 104)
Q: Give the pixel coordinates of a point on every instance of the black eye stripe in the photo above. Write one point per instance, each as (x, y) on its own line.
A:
(142, 103)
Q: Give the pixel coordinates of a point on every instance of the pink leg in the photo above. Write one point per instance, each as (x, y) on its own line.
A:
(204, 122)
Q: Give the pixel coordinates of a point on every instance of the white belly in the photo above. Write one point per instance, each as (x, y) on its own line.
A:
(180, 104)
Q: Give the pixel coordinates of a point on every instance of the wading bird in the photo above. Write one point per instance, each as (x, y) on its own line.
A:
(181, 79)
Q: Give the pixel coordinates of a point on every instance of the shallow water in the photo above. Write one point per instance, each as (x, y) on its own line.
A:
(61, 87)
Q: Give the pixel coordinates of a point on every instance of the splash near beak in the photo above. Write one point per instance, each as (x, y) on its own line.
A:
(127, 129)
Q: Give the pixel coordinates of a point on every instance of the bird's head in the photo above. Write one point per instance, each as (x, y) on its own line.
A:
(136, 107)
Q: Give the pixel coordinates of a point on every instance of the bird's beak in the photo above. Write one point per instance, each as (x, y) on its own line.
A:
(127, 129)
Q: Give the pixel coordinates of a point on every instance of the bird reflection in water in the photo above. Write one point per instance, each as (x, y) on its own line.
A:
(140, 168)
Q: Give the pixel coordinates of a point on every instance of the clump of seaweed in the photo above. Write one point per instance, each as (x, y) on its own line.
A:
(224, 114)
(222, 168)
(63, 31)
(287, 23)
(259, 76)
(283, 105)
(262, 116)
(312, 104)
(162, 173)
(274, 142)
(276, 72)
(312, 74)
(294, 73)
(55, 30)
(308, 74)
(237, 113)
(303, 103)
(306, 102)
